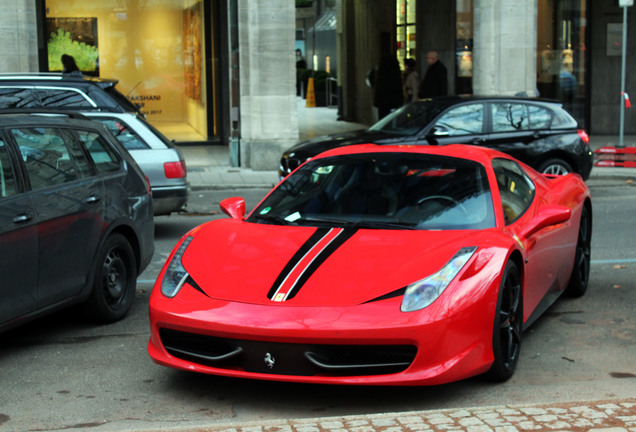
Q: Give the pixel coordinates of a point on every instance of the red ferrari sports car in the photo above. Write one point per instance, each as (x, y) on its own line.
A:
(401, 265)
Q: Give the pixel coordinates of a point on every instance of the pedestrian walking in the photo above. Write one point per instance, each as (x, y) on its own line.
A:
(411, 81)
(435, 82)
(388, 91)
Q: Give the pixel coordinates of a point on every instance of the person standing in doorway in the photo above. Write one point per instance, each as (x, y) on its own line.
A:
(301, 66)
(388, 93)
(435, 82)
(411, 81)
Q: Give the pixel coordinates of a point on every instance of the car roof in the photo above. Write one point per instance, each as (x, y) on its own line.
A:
(460, 151)
(56, 77)
(446, 101)
(28, 117)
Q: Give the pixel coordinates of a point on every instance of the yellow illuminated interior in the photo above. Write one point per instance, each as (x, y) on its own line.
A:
(155, 49)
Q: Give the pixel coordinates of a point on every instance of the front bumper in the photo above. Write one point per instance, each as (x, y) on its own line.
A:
(373, 343)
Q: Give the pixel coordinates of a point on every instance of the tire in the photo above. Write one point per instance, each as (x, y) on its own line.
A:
(115, 281)
(555, 166)
(581, 271)
(508, 325)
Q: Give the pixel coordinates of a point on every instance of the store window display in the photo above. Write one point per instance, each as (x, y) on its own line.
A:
(154, 48)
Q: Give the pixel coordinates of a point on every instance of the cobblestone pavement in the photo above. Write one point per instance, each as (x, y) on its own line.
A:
(601, 416)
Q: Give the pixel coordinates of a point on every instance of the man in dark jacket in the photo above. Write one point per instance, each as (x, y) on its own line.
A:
(435, 82)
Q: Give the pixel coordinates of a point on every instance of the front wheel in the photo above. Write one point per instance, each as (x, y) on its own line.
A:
(506, 335)
(581, 271)
(115, 281)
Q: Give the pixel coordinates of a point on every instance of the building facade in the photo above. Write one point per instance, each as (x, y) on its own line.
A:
(222, 72)
(562, 49)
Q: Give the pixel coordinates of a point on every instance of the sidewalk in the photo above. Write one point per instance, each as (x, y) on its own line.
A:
(600, 416)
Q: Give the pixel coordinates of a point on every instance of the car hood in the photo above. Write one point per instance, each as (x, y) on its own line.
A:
(306, 266)
(314, 146)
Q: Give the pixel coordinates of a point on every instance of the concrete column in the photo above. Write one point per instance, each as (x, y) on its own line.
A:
(268, 114)
(505, 45)
(18, 37)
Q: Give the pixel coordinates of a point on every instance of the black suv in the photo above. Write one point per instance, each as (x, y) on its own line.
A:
(538, 132)
(54, 90)
(76, 218)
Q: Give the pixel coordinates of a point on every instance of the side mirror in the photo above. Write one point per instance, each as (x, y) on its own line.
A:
(548, 215)
(233, 207)
(440, 131)
(436, 132)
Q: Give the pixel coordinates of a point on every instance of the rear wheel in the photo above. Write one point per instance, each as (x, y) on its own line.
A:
(506, 336)
(581, 271)
(115, 281)
(555, 166)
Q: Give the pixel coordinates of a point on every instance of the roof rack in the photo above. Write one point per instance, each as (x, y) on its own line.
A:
(43, 112)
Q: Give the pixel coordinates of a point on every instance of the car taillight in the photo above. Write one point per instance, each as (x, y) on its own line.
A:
(584, 136)
(175, 169)
(148, 187)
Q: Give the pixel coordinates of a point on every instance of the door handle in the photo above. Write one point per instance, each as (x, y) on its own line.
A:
(92, 199)
(22, 218)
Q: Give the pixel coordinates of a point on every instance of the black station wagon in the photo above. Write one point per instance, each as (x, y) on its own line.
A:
(76, 219)
(538, 132)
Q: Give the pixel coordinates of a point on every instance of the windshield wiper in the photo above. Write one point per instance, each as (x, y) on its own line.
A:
(273, 219)
(382, 225)
(358, 223)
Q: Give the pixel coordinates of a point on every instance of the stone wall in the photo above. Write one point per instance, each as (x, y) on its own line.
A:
(268, 114)
(505, 45)
(605, 76)
(18, 37)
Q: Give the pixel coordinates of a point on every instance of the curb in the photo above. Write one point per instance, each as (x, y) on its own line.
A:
(604, 415)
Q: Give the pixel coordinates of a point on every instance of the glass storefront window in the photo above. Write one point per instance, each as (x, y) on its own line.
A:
(155, 49)
(405, 31)
(464, 46)
(561, 53)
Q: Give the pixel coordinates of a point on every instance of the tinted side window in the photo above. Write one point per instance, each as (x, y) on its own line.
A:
(13, 97)
(129, 139)
(540, 118)
(515, 187)
(46, 156)
(563, 119)
(7, 177)
(103, 156)
(60, 98)
(509, 117)
(463, 120)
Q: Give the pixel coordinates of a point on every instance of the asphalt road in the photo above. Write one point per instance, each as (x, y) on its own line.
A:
(60, 373)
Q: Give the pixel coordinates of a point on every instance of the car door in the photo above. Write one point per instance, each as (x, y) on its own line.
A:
(461, 124)
(18, 241)
(517, 129)
(544, 249)
(68, 201)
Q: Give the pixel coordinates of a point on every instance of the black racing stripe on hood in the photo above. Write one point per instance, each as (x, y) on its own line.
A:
(392, 294)
(321, 258)
(306, 247)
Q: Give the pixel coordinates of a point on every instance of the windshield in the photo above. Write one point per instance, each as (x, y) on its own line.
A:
(409, 119)
(384, 191)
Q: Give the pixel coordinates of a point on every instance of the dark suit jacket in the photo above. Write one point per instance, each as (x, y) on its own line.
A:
(435, 82)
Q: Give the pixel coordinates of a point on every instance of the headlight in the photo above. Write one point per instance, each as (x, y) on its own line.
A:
(175, 275)
(420, 294)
